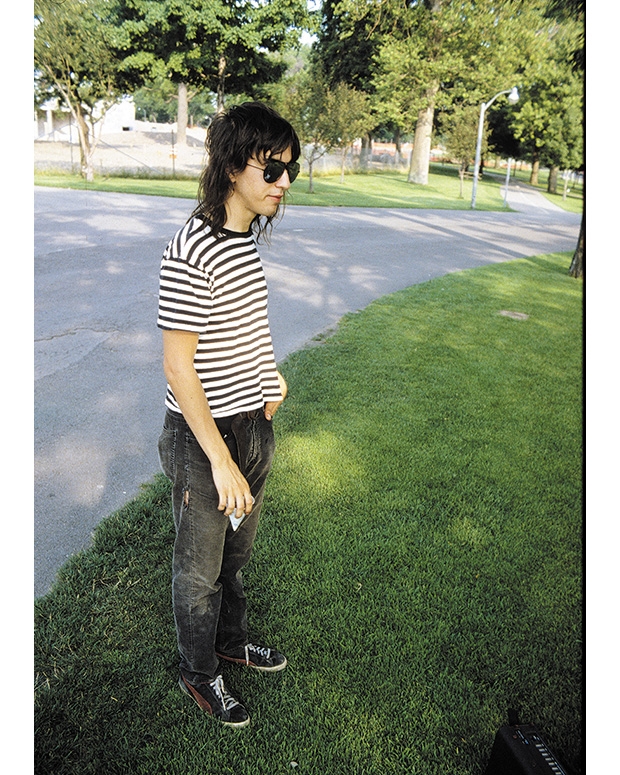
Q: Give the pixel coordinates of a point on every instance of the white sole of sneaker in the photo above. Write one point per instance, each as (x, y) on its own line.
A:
(242, 662)
(207, 709)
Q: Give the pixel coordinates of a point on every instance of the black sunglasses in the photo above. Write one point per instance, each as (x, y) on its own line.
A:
(275, 169)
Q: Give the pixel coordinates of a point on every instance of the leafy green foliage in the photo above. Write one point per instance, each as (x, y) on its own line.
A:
(418, 558)
(75, 64)
(345, 46)
(223, 46)
(414, 59)
(72, 59)
(303, 100)
(461, 134)
(158, 101)
(548, 119)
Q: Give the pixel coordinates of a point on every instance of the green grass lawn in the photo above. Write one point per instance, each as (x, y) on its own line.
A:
(391, 189)
(418, 560)
(376, 189)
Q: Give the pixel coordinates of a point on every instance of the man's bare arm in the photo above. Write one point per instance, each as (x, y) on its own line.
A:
(179, 352)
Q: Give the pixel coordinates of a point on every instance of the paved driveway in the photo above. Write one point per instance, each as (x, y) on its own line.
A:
(99, 386)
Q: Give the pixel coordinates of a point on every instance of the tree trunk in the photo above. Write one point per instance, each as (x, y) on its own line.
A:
(398, 156)
(577, 267)
(86, 148)
(310, 178)
(365, 153)
(344, 161)
(462, 171)
(534, 173)
(221, 75)
(182, 114)
(552, 183)
(421, 151)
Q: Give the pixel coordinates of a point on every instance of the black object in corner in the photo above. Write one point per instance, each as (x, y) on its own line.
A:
(520, 749)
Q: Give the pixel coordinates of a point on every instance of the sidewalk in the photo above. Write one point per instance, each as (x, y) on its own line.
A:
(525, 199)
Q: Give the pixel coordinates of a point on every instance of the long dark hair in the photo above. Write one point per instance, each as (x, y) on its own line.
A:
(233, 138)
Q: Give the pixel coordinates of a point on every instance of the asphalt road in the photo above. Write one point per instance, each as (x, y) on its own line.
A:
(99, 386)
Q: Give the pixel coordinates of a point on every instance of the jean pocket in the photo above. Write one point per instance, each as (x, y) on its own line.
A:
(255, 444)
(166, 447)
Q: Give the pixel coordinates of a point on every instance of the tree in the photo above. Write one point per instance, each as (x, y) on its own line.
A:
(224, 46)
(303, 101)
(575, 10)
(157, 101)
(349, 116)
(548, 119)
(434, 53)
(324, 118)
(577, 266)
(564, 147)
(502, 140)
(461, 138)
(345, 51)
(345, 47)
(74, 62)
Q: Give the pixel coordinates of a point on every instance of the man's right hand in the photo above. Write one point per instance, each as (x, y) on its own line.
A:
(179, 352)
(232, 488)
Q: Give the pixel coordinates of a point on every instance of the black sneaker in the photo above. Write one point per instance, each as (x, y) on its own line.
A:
(213, 698)
(258, 657)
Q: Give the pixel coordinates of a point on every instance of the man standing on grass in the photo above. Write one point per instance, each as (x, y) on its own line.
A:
(217, 443)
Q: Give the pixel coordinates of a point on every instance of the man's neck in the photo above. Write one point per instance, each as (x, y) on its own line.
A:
(237, 221)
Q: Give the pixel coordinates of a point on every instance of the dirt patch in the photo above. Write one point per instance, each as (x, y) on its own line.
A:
(514, 315)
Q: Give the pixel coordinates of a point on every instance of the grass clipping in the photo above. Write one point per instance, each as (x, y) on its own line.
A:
(418, 558)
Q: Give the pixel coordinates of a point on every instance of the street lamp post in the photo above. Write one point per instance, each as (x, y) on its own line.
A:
(513, 97)
(507, 182)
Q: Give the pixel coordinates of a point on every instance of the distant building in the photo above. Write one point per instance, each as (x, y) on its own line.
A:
(52, 121)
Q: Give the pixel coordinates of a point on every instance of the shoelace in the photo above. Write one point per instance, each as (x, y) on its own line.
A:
(264, 652)
(218, 687)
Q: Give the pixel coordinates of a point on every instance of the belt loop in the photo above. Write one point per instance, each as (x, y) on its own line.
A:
(252, 414)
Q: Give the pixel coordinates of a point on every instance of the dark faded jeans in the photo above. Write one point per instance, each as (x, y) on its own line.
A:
(209, 602)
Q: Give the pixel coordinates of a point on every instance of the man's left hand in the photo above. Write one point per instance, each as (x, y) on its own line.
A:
(271, 407)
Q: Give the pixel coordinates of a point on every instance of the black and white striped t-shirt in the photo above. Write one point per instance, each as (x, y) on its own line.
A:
(216, 287)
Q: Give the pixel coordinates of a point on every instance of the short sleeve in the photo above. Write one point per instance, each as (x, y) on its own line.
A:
(185, 289)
